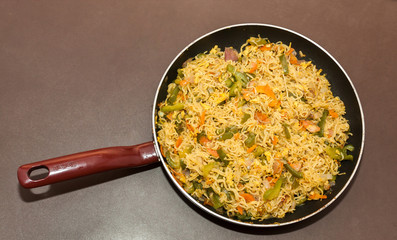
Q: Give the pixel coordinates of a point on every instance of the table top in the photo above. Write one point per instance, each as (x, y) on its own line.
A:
(81, 75)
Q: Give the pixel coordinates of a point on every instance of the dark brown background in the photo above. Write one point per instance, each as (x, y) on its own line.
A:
(80, 75)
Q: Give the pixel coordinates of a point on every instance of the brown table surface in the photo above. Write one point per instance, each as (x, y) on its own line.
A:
(80, 75)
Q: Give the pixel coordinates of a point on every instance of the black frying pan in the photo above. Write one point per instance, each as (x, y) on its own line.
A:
(81, 164)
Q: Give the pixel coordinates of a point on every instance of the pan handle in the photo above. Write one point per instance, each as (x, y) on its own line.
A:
(86, 163)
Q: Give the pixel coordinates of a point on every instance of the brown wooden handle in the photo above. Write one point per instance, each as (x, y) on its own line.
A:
(86, 163)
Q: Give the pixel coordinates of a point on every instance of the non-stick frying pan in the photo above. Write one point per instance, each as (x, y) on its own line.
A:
(94, 161)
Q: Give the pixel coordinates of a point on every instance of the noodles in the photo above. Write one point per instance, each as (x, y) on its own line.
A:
(256, 137)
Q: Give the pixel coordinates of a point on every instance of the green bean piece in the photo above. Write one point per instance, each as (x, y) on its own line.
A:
(258, 41)
(222, 154)
(250, 141)
(250, 76)
(174, 94)
(258, 151)
(197, 185)
(241, 77)
(183, 164)
(215, 201)
(229, 82)
(235, 89)
(180, 73)
(219, 131)
(230, 68)
(232, 129)
(293, 171)
(175, 164)
(284, 64)
(272, 193)
(226, 135)
(171, 108)
(241, 103)
(301, 201)
(245, 118)
(295, 183)
(286, 131)
(321, 123)
(189, 187)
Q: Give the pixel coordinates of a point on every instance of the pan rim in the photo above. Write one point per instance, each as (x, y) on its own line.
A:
(196, 203)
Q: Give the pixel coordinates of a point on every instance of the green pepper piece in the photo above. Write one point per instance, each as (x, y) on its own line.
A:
(171, 108)
(250, 141)
(207, 168)
(272, 193)
(284, 64)
(245, 118)
(173, 95)
(334, 153)
(286, 131)
(258, 151)
(349, 148)
(189, 187)
(173, 163)
(293, 171)
(258, 41)
(321, 123)
(215, 201)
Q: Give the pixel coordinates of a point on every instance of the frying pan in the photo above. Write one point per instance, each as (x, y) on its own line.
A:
(94, 161)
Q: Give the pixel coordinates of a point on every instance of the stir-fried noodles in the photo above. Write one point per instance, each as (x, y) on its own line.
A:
(255, 133)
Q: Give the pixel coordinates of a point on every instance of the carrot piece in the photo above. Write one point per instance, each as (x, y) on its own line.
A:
(293, 59)
(162, 151)
(240, 210)
(203, 140)
(254, 67)
(289, 51)
(317, 196)
(183, 82)
(208, 202)
(251, 148)
(202, 117)
(275, 140)
(248, 197)
(278, 167)
(236, 136)
(266, 90)
(169, 115)
(178, 142)
(297, 166)
(333, 113)
(213, 153)
(261, 117)
(266, 47)
(190, 127)
(246, 95)
(274, 103)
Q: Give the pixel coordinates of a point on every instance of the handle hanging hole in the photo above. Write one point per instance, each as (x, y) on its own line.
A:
(39, 172)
